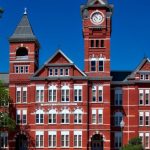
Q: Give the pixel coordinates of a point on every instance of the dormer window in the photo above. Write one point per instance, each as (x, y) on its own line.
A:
(146, 77)
(142, 76)
(22, 53)
(58, 72)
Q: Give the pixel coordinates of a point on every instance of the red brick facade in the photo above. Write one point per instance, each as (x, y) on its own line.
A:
(58, 106)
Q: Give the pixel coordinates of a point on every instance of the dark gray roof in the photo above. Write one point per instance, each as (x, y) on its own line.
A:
(23, 31)
(120, 75)
(4, 77)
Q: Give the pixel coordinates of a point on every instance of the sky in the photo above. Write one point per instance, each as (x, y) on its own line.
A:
(58, 24)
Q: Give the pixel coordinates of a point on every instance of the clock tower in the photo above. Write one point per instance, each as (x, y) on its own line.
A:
(96, 17)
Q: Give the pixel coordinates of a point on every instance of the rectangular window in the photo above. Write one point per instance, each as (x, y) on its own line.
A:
(66, 72)
(118, 97)
(146, 77)
(142, 76)
(100, 116)
(102, 43)
(16, 69)
(61, 72)
(64, 118)
(40, 94)
(56, 72)
(147, 97)
(146, 140)
(94, 116)
(51, 72)
(18, 117)
(52, 95)
(77, 93)
(26, 69)
(94, 93)
(141, 97)
(52, 139)
(24, 95)
(147, 119)
(100, 94)
(18, 94)
(39, 139)
(24, 117)
(92, 43)
(141, 135)
(101, 65)
(52, 118)
(21, 69)
(65, 95)
(118, 139)
(3, 140)
(141, 118)
(65, 139)
(93, 65)
(39, 118)
(77, 139)
(97, 43)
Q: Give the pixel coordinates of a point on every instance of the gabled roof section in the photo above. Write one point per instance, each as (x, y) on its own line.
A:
(54, 61)
(98, 2)
(23, 32)
(144, 66)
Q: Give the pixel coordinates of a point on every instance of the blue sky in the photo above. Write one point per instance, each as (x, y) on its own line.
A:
(57, 24)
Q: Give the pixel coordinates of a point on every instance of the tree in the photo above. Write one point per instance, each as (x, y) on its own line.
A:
(134, 144)
(6, 121)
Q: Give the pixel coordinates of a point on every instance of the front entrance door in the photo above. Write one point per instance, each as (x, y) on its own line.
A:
(21, 142)
(97, 142)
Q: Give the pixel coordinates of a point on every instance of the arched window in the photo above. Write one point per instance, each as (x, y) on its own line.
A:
(118, 118)
(52, 116)
(39, 116)
(65, 116)
(78, 116)
(22, 53)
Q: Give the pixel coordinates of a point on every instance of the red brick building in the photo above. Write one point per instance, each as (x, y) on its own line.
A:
(58, 106)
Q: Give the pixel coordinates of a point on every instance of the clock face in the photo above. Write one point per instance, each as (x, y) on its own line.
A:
(97, 18)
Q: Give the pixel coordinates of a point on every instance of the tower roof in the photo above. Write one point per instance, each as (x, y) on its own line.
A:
(23, 32)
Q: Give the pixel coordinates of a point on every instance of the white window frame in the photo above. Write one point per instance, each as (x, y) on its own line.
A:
(52, 134)
(91, 67)
(100, 60)
(147, 114)
(52, 112)
(141, 114)
(65, 89)
(94, 93)
(18, 114)
(77, 114)
(18, 89)
(52, 89)
(141, 99)
(147, 92)
(50, 71)
(78, 89)
(24, 113)
(40, 96)
(65, 112)
(39, 113)
(141, 135)
(100, 112)
(100, 88)
(65, 134)
(39, 134)
(78, 134)
(94, 117)
(24, 89)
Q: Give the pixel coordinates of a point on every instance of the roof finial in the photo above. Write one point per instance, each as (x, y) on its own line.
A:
(25, 11)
